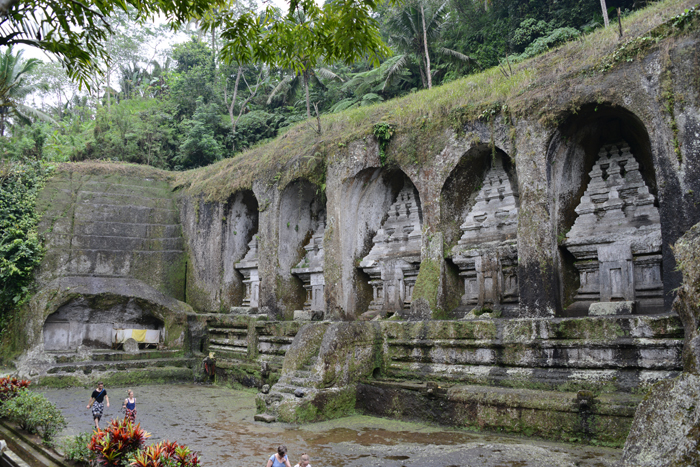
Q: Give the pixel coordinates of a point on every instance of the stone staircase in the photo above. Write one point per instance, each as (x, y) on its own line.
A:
(249, 349)
(116, 367)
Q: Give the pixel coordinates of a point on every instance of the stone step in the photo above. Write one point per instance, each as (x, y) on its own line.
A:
(152, 188)
(89, 367)
(559, 379)
(125, 243)
(107, 355)
(523, 330)
(94, 197)
(566, 416)
(658, 354)
(128, 229)
(90, 212)
(119, 376)
(302, 382)
(116, 263)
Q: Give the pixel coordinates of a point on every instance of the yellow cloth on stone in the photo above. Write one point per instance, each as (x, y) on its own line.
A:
(139, 335)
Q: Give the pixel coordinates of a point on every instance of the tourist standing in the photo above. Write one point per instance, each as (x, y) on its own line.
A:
(129, 406)
(304, 461)
(279, 459)
(97, 398)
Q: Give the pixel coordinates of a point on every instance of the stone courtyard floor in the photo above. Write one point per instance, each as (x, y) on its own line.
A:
(218, 422)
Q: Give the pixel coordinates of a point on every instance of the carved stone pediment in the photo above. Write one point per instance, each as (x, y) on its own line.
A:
(394, 260)
(487, 253)
(310, 270)
(616, 238)
(248, 266)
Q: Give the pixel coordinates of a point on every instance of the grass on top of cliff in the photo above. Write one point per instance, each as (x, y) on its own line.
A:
(422, 120)
(124, 169)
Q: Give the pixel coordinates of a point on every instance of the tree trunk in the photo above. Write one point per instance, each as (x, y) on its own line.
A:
(425, 45)
(306, 89)
(234, 121)
(108, 92)
(605, 13)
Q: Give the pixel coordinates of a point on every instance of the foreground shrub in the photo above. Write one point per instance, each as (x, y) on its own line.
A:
(10, 386)
(34, 413)
(75, 448)
(166, 454)
(120, 440)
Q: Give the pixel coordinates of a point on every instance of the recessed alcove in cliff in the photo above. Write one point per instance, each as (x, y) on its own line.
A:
(479, 203)
(300, 248)
(606, 210)
(393, 261)
(363, 206)
(241, 283)
(101, 322)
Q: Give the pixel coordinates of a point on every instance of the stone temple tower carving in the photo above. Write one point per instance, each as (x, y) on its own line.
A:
(487, 252)
(394, 260)
(310, 271)
(616, 239)
(248, 266)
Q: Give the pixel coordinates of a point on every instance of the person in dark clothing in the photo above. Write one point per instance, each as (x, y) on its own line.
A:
(129, 406)
(97, 399)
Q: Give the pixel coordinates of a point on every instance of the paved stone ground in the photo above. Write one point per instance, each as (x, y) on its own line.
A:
(218, 422)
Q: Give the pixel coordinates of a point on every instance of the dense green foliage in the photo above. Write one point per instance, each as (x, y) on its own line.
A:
(21, 249)
(205, 100)
(75, 448)
(34, 413)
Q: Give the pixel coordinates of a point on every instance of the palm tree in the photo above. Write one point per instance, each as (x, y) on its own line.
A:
(411, 30)
(14, 87)
(289, 85)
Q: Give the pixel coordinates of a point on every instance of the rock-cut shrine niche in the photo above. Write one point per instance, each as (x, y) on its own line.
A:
(487, 252)
(310, 271)
(394, 260)
(616, 238)
(100, 322)
(248, 267)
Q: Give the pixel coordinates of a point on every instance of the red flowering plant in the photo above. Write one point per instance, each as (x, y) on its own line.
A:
(10, 386)
(165, 454)
(117, 442)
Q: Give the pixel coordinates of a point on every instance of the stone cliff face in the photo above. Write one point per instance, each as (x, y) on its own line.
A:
(556, 222)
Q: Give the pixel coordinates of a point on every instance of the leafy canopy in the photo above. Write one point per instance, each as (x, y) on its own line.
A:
(78, 31)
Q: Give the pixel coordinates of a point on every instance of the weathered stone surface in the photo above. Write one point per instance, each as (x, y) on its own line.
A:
(666, 428)
(248, 267)
(392, 263)
(264, 417)
(616, 237)
(611, 308)
(687, 251)
(310, 271)
(487, 253)
(131, 346)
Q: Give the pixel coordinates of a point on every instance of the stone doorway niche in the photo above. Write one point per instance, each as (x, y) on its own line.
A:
(393, 262)
(605, 209)
(301, 224)
(92, 323)
(479, 218)
(241, 282)
(363, 206)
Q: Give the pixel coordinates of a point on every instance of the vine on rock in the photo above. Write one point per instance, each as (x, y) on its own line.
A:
(21, 248)
(383, 132)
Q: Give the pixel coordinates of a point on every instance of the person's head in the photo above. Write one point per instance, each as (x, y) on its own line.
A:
(100, 385)
(304, 460)
(129, 393)
(282, 450)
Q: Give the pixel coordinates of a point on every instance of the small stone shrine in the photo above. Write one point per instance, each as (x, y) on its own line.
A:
(616, 239)
(248, 266)
(393, 262)
(310, 271)
(487, 252)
